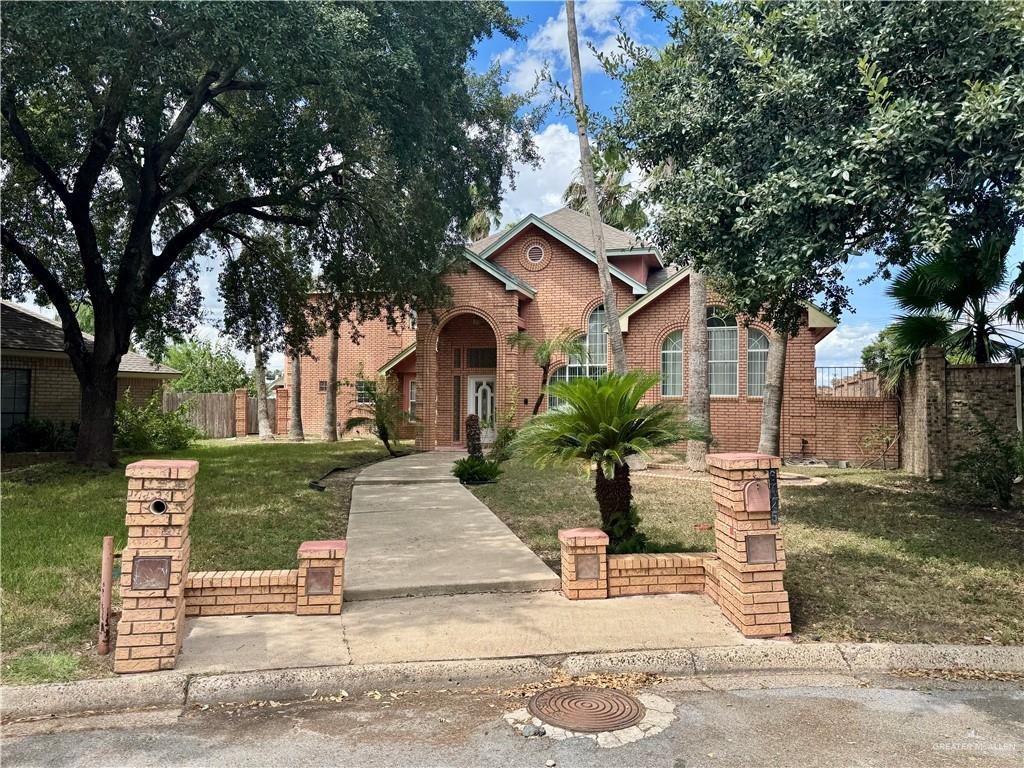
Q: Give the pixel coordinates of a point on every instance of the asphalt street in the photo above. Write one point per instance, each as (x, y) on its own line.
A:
(738, 720)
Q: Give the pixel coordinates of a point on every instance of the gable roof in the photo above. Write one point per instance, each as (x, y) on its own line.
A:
(502, 275)
(673, 275)
(24, 331)
(570, 219)
(397, 358)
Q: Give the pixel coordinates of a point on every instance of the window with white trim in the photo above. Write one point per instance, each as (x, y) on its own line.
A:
(412, 399)
(723, 354)
(757, 362)
(363, 394)
(672, 365)
(595, 363)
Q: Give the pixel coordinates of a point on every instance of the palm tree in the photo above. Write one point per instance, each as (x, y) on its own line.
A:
(484, 219)
(384, 414)
(566, 344)
(950, 301)
(616, 199)
(602, 424)
(296, 433)
(611, 308)
(699, 398)
(330, 431)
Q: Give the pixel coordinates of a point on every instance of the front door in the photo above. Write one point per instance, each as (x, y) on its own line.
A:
(481, 403)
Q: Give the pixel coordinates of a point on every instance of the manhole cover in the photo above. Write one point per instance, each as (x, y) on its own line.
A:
(585, 709)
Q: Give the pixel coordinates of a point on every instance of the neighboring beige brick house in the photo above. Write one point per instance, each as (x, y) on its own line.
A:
(541, 276)
(38, 381)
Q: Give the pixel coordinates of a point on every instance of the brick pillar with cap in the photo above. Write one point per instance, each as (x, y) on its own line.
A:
(584, 563)
(241, 412)
(282, 402)
(751, 556)
(321, 581)
(154, 564)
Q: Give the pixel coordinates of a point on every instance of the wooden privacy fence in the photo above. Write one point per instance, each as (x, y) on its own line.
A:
(213, 413)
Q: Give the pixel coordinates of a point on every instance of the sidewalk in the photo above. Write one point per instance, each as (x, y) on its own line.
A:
(414, 530)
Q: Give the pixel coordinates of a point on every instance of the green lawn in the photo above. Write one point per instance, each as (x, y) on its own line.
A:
(871, 555)
(253, 509)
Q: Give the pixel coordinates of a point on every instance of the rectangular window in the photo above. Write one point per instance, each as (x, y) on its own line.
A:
(481, 357)
(363, 394)
(456, 407)
(16, 386)
(412, 399)
(723, 361)
(323, 385)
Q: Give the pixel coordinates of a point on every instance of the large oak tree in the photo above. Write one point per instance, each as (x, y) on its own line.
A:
(142, 140)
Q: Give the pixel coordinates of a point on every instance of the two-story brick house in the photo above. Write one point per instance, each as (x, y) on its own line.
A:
(540, 276)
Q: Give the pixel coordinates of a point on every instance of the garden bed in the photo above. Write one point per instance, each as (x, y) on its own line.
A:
(871, 555)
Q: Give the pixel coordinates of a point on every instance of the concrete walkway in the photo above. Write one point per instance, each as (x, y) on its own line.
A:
(413, 530)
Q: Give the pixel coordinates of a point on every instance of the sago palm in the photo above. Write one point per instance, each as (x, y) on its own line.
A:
(383, 411)
(617, 200)
(567, 344)
(601, 424)
(950, 300)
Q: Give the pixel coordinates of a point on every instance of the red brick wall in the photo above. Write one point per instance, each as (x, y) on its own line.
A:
(851, 428)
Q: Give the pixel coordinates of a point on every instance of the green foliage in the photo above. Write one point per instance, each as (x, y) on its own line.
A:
(990, 468)
(567, 344)
(382, 414)
(40, 435)
(602, 423)
(147, 429)
(485, 217)
(476, 469)
(501, 449)
(41, 665)
(793, 137)
(619, 203)
(473, 444)
(950, 299)
(205, 367)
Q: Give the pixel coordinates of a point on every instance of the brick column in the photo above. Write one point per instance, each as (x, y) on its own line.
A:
(584, 563)
(751, 556)
(321, 581)
(154, 564)
(281, 411)
(241, 412)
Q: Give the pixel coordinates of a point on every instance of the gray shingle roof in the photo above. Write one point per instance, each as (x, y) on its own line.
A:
(23, 330)
(576, 226)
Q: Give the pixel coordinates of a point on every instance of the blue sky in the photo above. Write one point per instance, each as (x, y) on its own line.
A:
(539, 190)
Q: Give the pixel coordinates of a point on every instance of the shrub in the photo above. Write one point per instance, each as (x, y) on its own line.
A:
(473, 445)
(41, 435)
(146, 428)
(502, 448)
(474, 469)
(989, 469)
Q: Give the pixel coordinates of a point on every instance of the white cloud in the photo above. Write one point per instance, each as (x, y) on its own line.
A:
(843, 345)
(539, 190)
(597, 25)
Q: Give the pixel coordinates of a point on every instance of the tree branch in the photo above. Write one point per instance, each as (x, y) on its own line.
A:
(28, 149)
(73, 338)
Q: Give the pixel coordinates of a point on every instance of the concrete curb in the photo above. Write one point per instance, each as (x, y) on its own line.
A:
(177, 690)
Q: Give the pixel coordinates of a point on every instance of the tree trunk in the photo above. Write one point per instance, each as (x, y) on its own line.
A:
(771, 402)
(295, 432)
(543, 383)
(95, 444)
(619, 364)
(699, 398)
(266, 429)
(330, 433)
(614, 500)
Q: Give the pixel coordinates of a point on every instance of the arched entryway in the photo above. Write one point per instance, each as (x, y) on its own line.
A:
(467, 377)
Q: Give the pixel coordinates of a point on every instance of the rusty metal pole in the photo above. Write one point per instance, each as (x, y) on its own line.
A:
(106, 586)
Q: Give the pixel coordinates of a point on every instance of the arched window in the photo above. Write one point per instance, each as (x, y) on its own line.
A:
(723, 354)
(757, 362)
(672, 365)
(595, 363)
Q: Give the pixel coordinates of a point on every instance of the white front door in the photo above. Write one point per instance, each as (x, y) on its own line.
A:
(481, 403)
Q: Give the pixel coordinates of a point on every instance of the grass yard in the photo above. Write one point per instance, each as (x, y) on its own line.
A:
(253, 509)
(871, 555)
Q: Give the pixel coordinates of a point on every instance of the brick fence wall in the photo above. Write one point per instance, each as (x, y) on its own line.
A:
(856, 429)
(941, 404)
